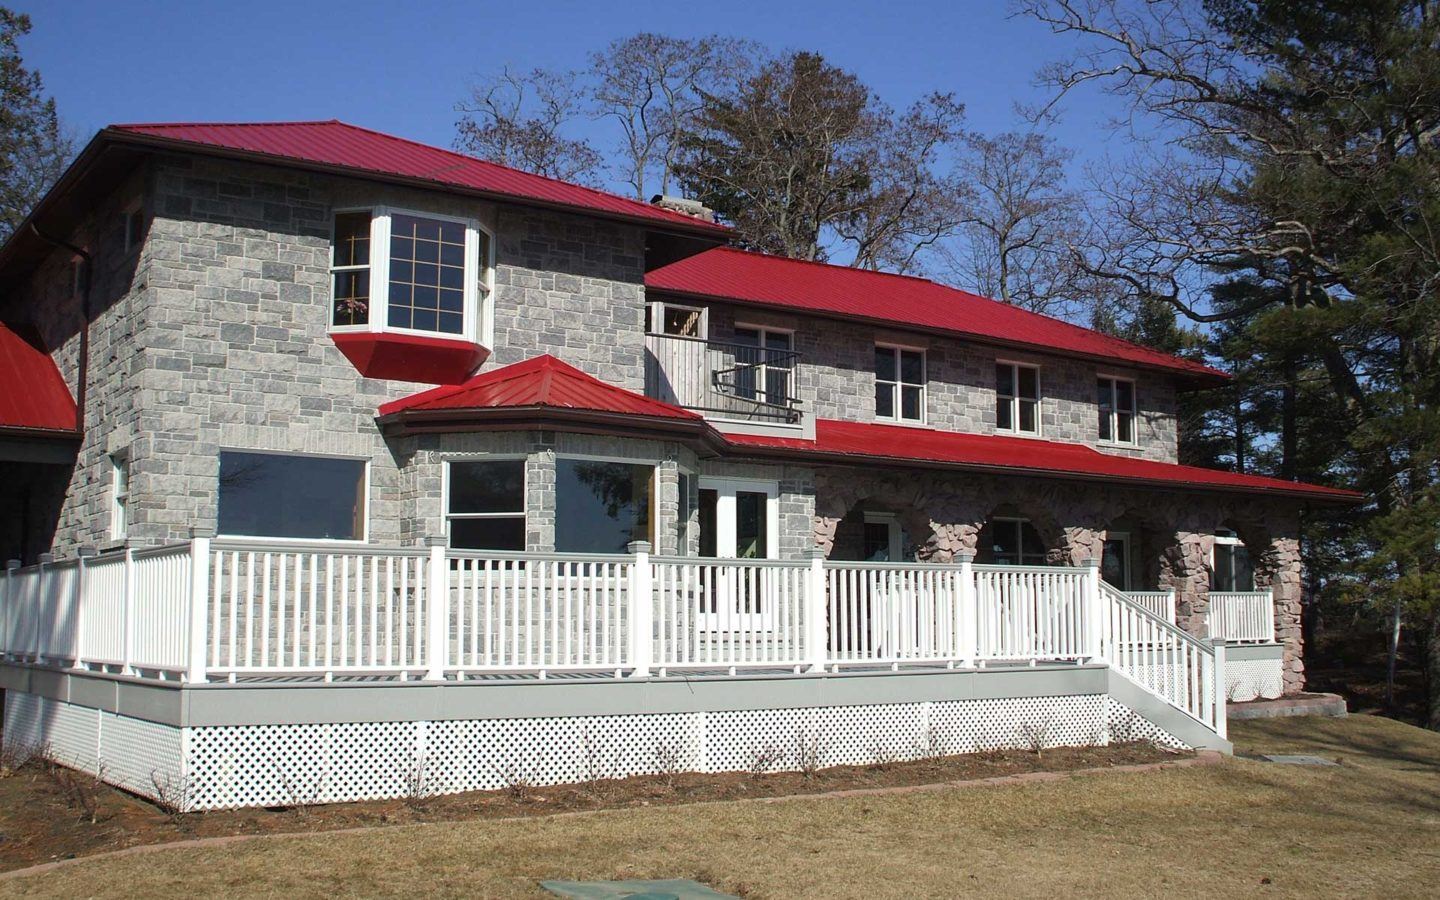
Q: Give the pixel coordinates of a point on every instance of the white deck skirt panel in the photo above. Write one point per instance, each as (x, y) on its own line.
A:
(281, 748)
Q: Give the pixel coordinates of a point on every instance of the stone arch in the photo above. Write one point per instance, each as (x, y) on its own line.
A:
(839, 494)
(1053, 536)
(1151, 541)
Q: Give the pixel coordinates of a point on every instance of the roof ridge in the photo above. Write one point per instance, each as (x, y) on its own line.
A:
(272, 124)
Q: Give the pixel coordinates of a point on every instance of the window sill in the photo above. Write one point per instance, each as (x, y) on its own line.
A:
(1027, 435)
(1118, 445)
(903, 423)
(410, 357)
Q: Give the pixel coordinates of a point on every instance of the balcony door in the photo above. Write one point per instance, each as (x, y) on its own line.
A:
(675, 368)
(739, 520)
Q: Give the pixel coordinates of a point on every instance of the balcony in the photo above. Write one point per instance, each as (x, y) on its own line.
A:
(725, 381)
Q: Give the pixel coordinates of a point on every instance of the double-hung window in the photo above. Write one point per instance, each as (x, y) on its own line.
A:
(485, 504)
(1115, 398)
(1017, 398)
(899, 384)
(120, 496)
(407, 272)
(763, 364)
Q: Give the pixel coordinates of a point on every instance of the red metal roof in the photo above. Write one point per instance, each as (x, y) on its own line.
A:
(339, 144)
(729, 274)
(839, 441)
(33, 394)
(540, 382)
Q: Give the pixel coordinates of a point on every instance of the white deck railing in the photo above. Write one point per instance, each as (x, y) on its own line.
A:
(1242, 617)
(221, 610)
(1159, 603)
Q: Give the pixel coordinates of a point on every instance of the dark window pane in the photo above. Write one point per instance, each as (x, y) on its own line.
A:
(599, 506)
(885, 363)
(426, 297)
(428, 275)
(682, 322)
(747, 336)
(1103, 392)
(427, 252)
(452, 278)
(352, 239)
(777, 340)
(1005, 380)
(1002, 414)
(1104, 422)
(912, 367)
(274, 495)
(401, 247)
(1027, 416)
(352, 298)
(451, 323)
(876, 542)
(452, 255)
(425, 229)
(910, 403)
(1125, 396)
(1005, 539)
(1029, 382)
(425, 320)
(752, 525)
(496, 485)
(709, 501)
(488, 534)
(452, 301)
(885, 400)
(1113, 570)
(1125, 427)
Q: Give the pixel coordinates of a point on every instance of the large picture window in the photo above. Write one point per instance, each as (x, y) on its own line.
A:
(402, 271)
(1115, 398)
(291, 496)
(485, 505)
(600, 507)
(1017, 398)
(899, 384)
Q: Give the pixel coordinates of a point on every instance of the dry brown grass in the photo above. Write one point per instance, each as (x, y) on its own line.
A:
(1368, 828)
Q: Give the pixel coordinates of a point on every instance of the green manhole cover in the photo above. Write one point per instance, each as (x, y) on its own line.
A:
(666, 889)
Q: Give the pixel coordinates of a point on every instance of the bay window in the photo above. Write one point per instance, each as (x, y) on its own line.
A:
(394, 270)
(600, 506)
(485, 504)
(1115, 398)
(1017, 398)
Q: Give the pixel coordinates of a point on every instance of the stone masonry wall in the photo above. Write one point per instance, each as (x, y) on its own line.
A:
(836, 380)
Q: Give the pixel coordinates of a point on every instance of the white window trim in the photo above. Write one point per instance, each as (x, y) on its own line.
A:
(896, 383)
(725, 524)
(119, 502)
(657, 318)
(447, 516)
(1014, 398)
(339, 542)
(1114, 410)
(479, 307)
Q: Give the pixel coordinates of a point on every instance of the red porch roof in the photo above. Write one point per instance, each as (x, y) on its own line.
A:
(33, 394)
(839, 441)
(725, 273)
(543, 381)
(341, 145)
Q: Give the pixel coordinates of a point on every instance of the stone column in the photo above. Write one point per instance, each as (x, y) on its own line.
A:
(1185, 569)
(1280, 569)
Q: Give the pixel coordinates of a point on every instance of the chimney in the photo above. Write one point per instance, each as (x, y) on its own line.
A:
(692, 208)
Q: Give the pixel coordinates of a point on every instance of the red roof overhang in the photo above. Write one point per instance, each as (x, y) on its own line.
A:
(857, 443)
(34, 399)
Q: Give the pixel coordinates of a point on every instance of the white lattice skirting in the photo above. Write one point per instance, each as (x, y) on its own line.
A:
(1252, 679)
(275, 765)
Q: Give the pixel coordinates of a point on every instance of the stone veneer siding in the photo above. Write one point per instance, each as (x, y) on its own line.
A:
(836, 380)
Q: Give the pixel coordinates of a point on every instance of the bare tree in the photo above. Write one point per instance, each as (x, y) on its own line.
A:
(519, 119)
(1021, 224)
(650, 85)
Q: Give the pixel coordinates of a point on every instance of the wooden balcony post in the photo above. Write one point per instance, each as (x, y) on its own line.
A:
(816, 613)
(437, 622)
(967, 631)
(642, 610)
(197, 641)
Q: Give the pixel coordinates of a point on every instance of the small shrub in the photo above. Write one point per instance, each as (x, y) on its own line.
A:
(882, 755)
(763, 760)
(418, 788)
(515, 782)
(809, 753)
(174, 794)
(16, 755)
(303, 794)
(669, 762)
(1035, 737)
(80, 790)
(932, 744)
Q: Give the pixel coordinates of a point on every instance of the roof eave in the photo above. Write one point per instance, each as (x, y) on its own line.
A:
(719, 233)
(696, 432)
(1190, 378)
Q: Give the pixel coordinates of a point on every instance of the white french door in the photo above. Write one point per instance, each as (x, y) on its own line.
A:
(739, 520)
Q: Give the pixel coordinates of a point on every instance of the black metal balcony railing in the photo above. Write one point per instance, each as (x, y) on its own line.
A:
(727, 380)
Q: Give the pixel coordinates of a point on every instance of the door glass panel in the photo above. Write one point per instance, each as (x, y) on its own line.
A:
(1112, 564)
(751, 526)
(877, 542)
(709, 501)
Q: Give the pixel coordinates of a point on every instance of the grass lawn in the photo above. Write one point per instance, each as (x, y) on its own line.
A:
(1370, 827)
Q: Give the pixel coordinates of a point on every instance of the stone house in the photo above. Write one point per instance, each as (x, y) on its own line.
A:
(315, 338)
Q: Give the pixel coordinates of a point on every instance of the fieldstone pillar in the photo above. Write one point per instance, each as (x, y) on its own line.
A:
(1185, 569)
(1280, 569)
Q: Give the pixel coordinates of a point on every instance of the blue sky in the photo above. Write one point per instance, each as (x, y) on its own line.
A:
(401, 66)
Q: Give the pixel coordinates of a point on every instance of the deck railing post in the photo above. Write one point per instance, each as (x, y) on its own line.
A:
(10, 620)
(642, 610)
(817, 604)
(46, 560)
(437, 622)
(1270, 609)
(1094, 612)
(967, 636)
(83, 556)
(1221, 693)
(127, 612)
(197, 639)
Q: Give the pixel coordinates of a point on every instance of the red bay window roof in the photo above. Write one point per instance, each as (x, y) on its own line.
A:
(879, 298)
(33, 394)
